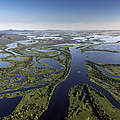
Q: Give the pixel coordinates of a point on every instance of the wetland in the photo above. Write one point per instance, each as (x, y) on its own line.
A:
(74, 75)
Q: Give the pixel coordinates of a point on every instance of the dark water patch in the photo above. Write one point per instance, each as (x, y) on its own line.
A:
(110, 98)
(82, 94)
(92, 104)
(24, 89)
(58, 106)
(20, 81)
(31, 75)
(7, 105)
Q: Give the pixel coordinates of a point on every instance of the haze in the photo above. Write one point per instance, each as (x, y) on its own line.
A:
(60, 14)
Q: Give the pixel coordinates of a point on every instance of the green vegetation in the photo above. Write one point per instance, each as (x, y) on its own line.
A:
(112, 68)
(109, 83)
(79, 106)
(85, 103)
(10, 38)
(35, 80)
(32, 105)
(93, 48)
(25, 74)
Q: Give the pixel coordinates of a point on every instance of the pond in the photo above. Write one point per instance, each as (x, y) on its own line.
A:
(61, 65)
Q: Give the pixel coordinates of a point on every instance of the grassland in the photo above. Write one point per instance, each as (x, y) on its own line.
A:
(109, 83)
(111, 68)
(9, 38)
(23, 74)
(85, 103)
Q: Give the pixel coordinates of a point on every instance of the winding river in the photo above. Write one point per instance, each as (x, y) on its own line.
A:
(58, 106)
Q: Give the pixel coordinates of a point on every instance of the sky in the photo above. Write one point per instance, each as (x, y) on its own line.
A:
(60, 14)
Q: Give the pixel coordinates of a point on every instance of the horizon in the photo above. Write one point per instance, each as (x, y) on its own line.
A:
(58, 30)
(59, 59)
(63, 15)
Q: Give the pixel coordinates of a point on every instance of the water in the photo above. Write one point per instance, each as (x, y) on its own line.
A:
(15, 58)
(51, 62)
(107, 73)
(103, 57)
(109, 47)
(58, 106)
(4, 64)
(27, 42)
(11, 46)
(38, 64)
(7, 105)
(42, 50)
(4, 55)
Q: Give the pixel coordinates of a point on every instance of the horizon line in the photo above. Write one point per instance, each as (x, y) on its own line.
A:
(59, 30)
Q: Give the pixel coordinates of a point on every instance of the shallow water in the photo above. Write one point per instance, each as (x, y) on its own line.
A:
(16, 58)
(4, 55)
(41, 50)
(4, 64)
(109, 47)
(10, 46)
(28, 42)
(103, 57)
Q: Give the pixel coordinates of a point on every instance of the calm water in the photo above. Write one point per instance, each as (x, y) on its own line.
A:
(58, 106)
(7, 105)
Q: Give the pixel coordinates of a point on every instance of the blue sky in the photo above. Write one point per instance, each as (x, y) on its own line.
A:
(60, 14)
